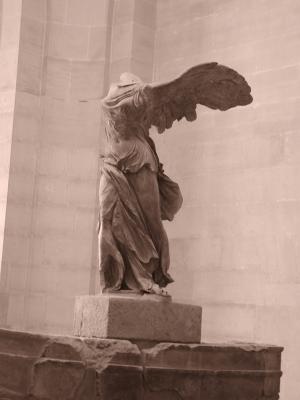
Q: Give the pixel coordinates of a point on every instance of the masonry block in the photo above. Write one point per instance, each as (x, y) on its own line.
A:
(68, 41)
(144, 317)
(64, 367)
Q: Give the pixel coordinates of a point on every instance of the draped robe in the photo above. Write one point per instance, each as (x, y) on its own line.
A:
(135, 196)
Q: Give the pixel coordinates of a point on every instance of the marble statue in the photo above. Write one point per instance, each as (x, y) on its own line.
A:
(135, 194)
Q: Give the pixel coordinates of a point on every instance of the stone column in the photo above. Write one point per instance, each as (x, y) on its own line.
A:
(68, 51)
(51, 205)
(132, 39)
(10, 22)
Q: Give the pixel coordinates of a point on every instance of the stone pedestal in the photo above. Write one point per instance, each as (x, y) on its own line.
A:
(40, 367)
(137, 317)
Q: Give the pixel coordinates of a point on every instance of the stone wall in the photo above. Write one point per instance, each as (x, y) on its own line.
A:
(39, 367)
(9, 48)
(49, 248)
(69, 51)
(10, 21)
(235, 244)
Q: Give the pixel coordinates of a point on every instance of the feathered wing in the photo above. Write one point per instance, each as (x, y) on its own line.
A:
(212, 85)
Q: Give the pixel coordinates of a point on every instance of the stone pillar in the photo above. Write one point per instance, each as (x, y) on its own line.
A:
(68, 51)
(132, 39)
(10, 22)
(48, 248)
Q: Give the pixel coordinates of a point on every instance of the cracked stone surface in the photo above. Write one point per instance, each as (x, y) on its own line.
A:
(40, 367)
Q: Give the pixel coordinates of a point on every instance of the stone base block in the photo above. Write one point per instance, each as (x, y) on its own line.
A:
(144, 317)
(40, 367)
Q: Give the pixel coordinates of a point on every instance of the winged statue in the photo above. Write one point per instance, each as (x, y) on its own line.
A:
(135, 194)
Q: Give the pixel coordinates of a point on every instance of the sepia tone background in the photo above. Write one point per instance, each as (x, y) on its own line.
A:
(235, 245)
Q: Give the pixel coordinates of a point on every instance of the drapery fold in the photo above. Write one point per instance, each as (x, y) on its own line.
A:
(133, 246)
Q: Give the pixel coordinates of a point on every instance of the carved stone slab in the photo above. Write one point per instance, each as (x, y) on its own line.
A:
(145, 317)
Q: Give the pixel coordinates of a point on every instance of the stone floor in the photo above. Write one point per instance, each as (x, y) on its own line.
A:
(39, 367)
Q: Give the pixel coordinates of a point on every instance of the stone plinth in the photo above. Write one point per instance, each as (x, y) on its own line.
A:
(40, 367)
(139, 317)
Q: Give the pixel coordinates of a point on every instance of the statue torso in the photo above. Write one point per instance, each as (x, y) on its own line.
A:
(128, 143)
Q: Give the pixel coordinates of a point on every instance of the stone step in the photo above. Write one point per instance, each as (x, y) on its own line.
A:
(13, 342)
(239, 356)
(15, 372)
(39, 367)
(216, 357)
(23, 375)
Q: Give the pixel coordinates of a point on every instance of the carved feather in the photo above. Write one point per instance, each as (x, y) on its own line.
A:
(212, 85)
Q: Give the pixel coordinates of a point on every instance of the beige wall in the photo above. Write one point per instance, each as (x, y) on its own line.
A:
(48, 251)
(132, 38)
(10, 15)
(10, 19)
(235, 244)
(69, 50)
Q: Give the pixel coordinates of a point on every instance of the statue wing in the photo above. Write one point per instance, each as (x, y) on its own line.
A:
(212, 85)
